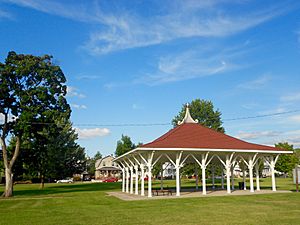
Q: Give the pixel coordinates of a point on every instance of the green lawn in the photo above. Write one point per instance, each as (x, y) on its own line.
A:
(89, 204)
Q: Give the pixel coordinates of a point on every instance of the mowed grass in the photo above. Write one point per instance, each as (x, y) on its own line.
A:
(88, 203)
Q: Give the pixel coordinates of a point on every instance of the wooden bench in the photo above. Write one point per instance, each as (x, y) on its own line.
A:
(168, 192)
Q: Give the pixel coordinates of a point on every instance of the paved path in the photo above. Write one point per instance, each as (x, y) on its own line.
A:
(190, 194)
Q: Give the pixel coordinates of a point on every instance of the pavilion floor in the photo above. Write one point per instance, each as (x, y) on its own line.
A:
(190, 193)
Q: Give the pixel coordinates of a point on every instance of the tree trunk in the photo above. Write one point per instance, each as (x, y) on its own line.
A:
(42, 185)
(8, 192)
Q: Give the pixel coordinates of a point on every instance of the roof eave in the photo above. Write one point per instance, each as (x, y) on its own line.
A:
(215, 150)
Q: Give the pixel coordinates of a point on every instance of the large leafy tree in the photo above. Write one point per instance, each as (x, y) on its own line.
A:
(286, 162)
(124, 145)
(32, 91)
(204, 112)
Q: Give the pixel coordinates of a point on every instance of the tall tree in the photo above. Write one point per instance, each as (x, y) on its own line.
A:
(54, 153)
(204, 112)
(286, 162)
(31, 89)
(124, 145)
(91, 163)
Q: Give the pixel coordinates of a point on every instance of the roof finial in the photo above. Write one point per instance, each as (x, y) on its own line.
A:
(187, 118)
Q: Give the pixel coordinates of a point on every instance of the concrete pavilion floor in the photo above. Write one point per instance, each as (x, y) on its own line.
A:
(189, 193)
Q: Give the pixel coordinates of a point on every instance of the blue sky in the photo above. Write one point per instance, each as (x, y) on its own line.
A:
(137, 62)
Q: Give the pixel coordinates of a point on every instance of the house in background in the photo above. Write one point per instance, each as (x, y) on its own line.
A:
(105, 168)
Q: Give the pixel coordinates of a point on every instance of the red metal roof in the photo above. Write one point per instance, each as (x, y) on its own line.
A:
(191, 135)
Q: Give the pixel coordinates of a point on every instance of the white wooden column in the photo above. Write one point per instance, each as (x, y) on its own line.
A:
(203, 167)
(203, 164)
(131, 179)
(250, 167)
(127, 180)
(142, 179)
(149, 166)
(123, 179)
(257, 176)
(136, 179)
(177, 167)
(227, 164)
(227, 167)
(251, 163)
(272, 162)
(123, 175)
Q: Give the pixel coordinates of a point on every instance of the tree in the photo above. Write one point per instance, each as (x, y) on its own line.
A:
(286, 162)
(124, 145)
(32, 90)
(91, 163)
(97, 156)
(204, 112)
(54, 153)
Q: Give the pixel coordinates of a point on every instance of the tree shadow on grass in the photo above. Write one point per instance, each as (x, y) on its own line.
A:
(53, 189)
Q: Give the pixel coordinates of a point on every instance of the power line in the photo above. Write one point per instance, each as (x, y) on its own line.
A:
(166, 124)
(264, 115)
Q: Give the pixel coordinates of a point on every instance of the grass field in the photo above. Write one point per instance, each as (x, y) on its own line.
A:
(88, 203)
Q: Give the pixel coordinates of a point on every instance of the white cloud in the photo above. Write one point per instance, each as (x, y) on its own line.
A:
(291, 97)
(127, 31)
(73, 92)
(257, 134)
(192, 64)
(76, 106)
(88, 77)
(272, 137)
(258, 83)
(250, 105)
(120, 27)
(295, 119)
(87, 133)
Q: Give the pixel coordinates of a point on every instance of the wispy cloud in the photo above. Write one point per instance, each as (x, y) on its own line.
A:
(5, 15)
(192, 64)
(120, 28)
(128, 31)
(74, 92)
(76, 106)
(88, 77)
(250, 105)
(88, 133)
(271, 137)
(258, 83)
(295, 118)
(257, 134)
(291, 97)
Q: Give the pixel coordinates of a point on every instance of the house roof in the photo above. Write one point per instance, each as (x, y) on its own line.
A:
(194, 135)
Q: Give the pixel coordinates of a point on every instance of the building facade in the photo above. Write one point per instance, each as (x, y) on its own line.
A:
(106, 168)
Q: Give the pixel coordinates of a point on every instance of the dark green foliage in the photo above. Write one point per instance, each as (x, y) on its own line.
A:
(286, 162)
(32, 91)
(124, 145)
(90, 163)
(204, 112)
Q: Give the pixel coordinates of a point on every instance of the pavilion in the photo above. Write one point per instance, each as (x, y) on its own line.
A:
(191, 142)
